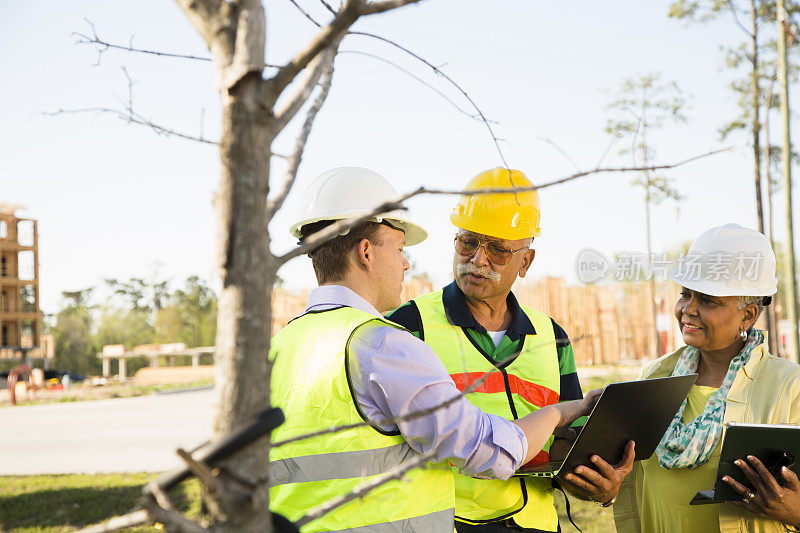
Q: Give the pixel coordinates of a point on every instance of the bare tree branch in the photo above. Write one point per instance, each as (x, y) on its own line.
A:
(203, 15)
(367, 8)
(275, 85)
(131, 116)
(342, 226)
(371, 8)
(235, 34)
(135, 518)
(171, 518)
(362, 490)
(105, 45)
(127, 117)
(560, 151)
(605, 152)
(474, 116)
(161, 498)
(346, 17)
(328, 7)
(306, 13)
(134, 119)
(735, 14)
(420, 80)
(322, 63)
(294, 160)
(437, 70)
(200, 470)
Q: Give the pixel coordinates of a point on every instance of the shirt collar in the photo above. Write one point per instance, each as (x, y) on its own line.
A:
(330, 296)
(458, 314)
(755, 358)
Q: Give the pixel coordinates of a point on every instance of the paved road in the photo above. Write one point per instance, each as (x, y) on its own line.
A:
(118, 435)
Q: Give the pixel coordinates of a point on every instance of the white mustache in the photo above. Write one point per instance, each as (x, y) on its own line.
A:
(469, 268)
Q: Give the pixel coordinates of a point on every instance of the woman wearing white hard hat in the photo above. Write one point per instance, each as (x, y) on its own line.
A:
(727, 277)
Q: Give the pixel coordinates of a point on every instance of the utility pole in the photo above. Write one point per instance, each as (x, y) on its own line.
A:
(791, 296)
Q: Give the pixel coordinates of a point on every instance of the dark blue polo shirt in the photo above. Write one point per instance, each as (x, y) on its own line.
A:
(458, 314)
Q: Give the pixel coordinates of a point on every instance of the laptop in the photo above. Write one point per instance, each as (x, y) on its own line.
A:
(630, 410)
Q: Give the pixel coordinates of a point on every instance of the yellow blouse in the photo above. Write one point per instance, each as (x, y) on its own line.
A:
(765, 391)
(665, 494)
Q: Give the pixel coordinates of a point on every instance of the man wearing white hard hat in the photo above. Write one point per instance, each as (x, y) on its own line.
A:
(727, 277)
(342, 363)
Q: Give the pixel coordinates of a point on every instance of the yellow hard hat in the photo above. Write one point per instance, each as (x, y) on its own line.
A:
(510, 215)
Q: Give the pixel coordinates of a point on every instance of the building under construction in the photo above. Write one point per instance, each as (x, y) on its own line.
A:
(20, 318)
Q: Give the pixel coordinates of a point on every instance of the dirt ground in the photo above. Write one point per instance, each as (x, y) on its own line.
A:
(146, 381)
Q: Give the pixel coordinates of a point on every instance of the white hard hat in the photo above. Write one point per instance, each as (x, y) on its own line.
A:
(351, 192)
(729, 260)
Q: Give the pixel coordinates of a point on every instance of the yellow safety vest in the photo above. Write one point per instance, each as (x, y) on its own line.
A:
(531, 381)
(310, 382)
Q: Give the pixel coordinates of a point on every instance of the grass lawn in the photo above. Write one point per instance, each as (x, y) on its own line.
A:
(58, 503)
(588, 516)
(50, 504)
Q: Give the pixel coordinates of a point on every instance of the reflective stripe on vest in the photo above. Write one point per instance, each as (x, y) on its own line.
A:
(310, 383)
(530, 381)
(438, 521)
(340, 465)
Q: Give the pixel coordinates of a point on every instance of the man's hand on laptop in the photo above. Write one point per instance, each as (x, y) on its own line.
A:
(602, 481)
(539, 425)
(564, 437)
(569, 411)
(590, 399)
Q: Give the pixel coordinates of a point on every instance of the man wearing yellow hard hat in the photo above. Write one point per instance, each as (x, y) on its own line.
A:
(476, 322)
(341, 363)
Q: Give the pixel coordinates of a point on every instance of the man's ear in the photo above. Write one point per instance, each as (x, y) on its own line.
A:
(526, 262)
(365, 255)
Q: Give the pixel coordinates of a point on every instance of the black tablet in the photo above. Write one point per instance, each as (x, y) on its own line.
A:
(775, 445)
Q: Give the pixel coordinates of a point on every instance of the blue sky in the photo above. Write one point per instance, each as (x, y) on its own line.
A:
(114, 199)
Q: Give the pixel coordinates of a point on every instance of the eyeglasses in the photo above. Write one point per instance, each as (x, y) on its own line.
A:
(467, 245)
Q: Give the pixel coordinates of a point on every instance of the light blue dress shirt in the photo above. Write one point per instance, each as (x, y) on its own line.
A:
(399, 374)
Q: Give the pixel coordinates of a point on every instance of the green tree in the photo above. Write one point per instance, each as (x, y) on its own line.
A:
(131, 327)
(74, 346)
(642, 105)
(169, 325)
(140, 293)
(190, 317)
(756, 55)
(198, 303)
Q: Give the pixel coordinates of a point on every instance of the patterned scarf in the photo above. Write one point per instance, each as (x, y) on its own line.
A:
(690, 445)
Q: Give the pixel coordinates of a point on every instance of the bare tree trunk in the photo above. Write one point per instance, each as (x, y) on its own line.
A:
(243, 318)
(235, 33)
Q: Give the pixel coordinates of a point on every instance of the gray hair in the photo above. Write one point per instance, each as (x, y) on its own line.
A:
(744, 301)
